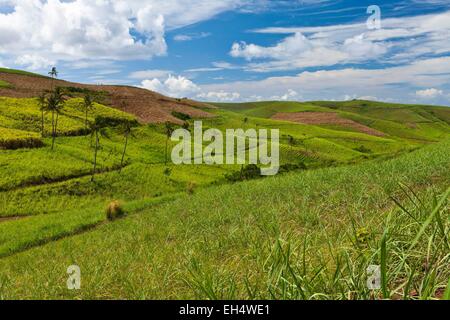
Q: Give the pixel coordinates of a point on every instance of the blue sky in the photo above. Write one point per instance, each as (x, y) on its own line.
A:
(238, 50)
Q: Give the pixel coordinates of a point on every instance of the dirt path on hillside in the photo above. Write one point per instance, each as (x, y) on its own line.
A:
(6, 219)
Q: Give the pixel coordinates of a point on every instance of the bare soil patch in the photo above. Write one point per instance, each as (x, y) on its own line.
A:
(326, 118)
(147, 106)
(5, 219)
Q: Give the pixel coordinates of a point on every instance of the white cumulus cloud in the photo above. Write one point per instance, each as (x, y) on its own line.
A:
(219, 96)
(298, 51)
(149, 74)
(401, 40)
(290, 95)
(177, 87)
(429, 93)
(397, 82)
(37, 33)
(34, 62)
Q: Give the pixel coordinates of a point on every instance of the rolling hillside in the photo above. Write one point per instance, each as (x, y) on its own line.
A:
(411, 122)
(357, 178)
(307, 235)
(147, 106)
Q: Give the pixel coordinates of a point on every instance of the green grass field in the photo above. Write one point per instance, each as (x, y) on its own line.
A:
(309, 235)
(191, 233)
(25, 114)
(412, 122)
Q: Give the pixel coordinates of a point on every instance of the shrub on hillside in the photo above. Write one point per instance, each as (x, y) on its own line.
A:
(190, 189)
(363, 149)
(26, 143)
(292, 167)
(12, 139)
(114, 211)
(167, 172)
(252, 172)
(181, 116)
(249, 172)
(99, 96)
(113, 121)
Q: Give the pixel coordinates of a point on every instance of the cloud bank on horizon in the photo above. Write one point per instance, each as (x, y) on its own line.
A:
(238, 50)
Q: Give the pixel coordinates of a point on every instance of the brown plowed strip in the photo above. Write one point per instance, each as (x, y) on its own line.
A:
(147, 106)
(326, 118)
(5, 219)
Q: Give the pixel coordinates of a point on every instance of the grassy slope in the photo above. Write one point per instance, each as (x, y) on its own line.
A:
(51, 185)
(411, 122)
(20, 121)
(318, 142)
(232, 241)
(54, 192)
(24, 114)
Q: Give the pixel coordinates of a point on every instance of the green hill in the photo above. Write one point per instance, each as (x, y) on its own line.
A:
(207, 231)
(307, 235)
(21, 120)
(411, 122)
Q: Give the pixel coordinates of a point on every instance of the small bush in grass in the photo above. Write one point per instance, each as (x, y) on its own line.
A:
(21, 143)
(249, 172)
(285, 168)
(167, 172)
(363, 149)
(181, 116)
(191, 188)
(362, 236)
(114, 210)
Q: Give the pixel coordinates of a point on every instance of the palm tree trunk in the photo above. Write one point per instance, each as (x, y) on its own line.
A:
(167, 147)
(124, 152)
(95, 156)
(53, 129)
(86, 121)
(42, 123)
(56, 124)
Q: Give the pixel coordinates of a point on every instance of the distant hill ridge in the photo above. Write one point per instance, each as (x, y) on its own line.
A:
(147, 106)
(421, 123)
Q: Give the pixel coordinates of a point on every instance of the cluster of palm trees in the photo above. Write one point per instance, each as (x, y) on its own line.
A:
(53, 101)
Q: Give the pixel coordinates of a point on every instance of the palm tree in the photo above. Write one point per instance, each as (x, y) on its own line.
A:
(55, 104)
(87, 105)
(126, 130)
(169, 130)
(291, 140)
(245, 121)
(54, 74)
(95, 131)
(186, 126)
(42, 101)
